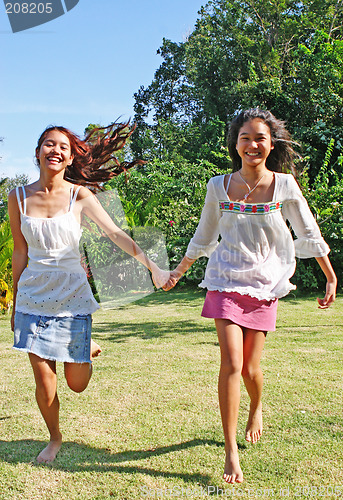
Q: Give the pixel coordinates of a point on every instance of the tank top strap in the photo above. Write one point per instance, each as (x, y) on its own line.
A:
(21, 204)
(73, 197)
(228, 184)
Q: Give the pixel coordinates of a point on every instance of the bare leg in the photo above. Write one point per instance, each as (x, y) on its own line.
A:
(47, 399)
(78, 375)
(253, 343)
(231, 349)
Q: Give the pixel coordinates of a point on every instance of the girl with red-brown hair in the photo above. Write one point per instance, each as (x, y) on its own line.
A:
(52, 300)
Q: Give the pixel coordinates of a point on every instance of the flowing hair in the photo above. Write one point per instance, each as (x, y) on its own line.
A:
(92, 155)
(281, 158)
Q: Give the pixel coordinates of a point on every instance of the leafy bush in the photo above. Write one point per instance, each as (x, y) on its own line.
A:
(325, 197)
(6, 249)
(170, 196)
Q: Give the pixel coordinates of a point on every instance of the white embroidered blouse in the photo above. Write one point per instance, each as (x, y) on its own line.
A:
(256, 253)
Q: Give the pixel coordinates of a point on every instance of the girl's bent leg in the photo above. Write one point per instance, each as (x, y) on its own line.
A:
(231, 349)
(78, 375)
(253, 343)
(47, 399)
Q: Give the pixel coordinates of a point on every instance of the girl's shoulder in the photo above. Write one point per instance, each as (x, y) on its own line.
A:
(215, 186)
(21, 189)
(217, 181)
(287, 186)
(82, 192)
(18, 191)
(86, 197)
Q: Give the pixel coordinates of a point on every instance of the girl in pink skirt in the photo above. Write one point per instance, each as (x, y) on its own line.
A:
(249, 269)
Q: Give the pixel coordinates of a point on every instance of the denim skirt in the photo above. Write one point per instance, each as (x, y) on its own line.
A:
(65, 339)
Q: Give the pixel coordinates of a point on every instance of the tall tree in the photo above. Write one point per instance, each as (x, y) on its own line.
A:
(283, 55)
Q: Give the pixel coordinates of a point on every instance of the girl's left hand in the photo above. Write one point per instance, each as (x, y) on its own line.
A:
(329, 296)
(159, 277)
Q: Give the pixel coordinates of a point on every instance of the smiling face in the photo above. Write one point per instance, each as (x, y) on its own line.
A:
(54, 153)
(254, 143)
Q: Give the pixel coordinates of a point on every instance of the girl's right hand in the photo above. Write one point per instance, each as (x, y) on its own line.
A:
(173, 279)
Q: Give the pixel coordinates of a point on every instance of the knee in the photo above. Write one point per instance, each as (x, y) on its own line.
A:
(77, 386)
(231, 365)
(78, 377)
(250, 372)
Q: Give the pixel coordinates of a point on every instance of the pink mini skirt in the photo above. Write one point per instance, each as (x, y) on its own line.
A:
(242, 310)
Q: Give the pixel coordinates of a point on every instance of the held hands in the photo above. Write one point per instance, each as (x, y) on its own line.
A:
(159, 277)
(174, 277)
(178, 272)
(329, 296)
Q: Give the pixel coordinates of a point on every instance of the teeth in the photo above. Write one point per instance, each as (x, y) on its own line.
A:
(252, 154)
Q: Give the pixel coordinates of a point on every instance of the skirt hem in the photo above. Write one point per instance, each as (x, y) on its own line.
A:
(50, 358)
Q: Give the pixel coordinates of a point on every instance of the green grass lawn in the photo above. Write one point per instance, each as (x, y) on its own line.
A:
(148, 425)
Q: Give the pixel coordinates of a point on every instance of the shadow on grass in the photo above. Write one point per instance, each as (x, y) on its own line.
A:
(119, 331)
(75, 457)
(182, 296)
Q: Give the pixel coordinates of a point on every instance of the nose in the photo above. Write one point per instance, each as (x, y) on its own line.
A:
(56, 149)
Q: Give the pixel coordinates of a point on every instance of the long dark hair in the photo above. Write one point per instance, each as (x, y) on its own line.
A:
(281, 158)
(93, 153)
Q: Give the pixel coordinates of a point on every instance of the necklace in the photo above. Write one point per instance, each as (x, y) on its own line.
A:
(247, 185)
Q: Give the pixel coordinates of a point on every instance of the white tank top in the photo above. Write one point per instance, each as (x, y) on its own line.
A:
(54, 282)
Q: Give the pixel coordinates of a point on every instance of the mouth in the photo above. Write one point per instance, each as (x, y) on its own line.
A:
(253, 155)
(53, 159)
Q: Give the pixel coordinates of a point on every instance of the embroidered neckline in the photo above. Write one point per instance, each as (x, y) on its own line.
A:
(250, 208)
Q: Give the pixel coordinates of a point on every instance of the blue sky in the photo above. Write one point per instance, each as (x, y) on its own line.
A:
(81, 68)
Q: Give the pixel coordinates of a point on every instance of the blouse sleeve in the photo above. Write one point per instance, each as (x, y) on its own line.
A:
(205, 239)
(309, 241)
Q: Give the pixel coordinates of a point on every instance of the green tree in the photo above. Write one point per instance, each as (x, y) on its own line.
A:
(325, 198)
(283, 55)
(6, 184)
(6, 249)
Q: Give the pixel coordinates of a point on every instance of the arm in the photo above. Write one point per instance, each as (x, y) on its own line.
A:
(205, 238)
(309, 242)
(19, 257)
(331, 283)
(178, 272)
(93, 209)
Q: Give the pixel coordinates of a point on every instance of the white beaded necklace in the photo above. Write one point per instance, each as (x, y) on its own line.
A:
(247, 185)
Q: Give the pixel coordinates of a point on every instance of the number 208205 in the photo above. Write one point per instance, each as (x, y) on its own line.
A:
(28, 8)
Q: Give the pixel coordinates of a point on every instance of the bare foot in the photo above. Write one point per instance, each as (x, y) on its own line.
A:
(49, 453)
(95, 349)
(232, 472)
(254, 428)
